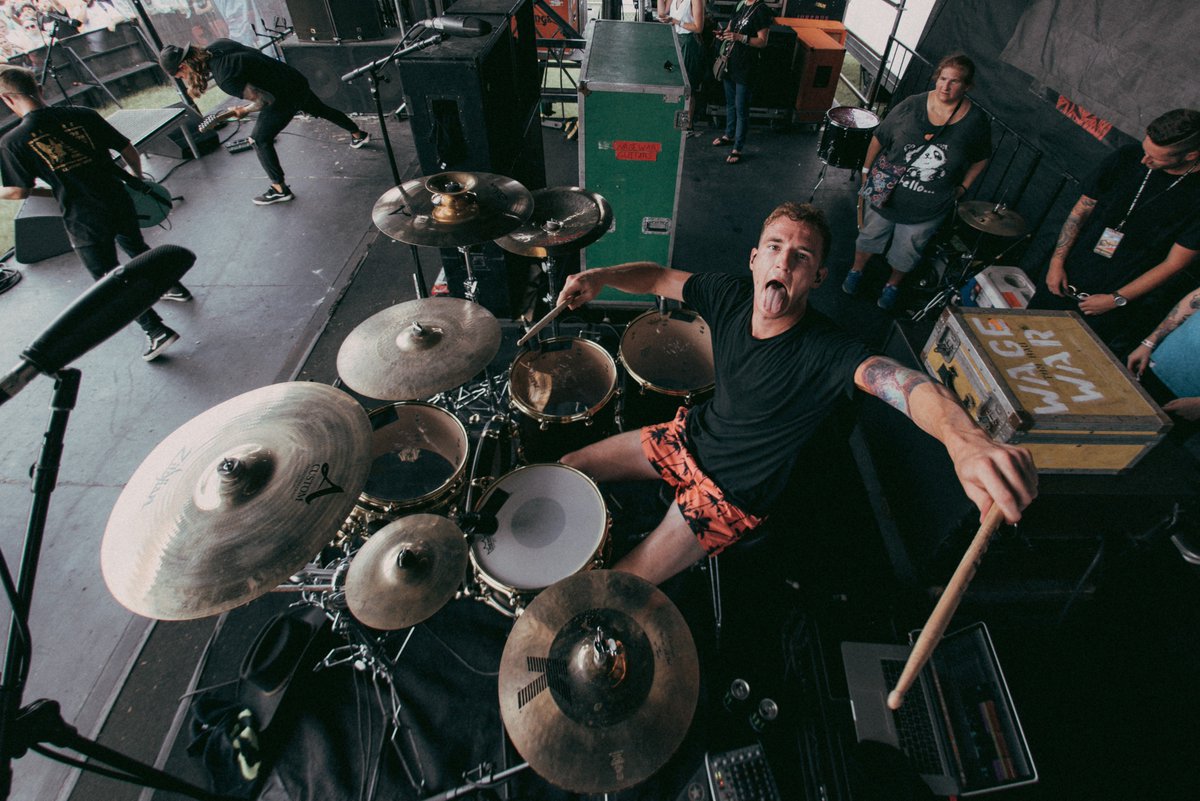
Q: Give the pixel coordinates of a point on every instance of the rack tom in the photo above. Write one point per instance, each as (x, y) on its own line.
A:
(562, 396)
(668, 361)
(846, 136)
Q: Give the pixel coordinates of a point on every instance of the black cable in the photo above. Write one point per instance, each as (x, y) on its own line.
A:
(455, 654)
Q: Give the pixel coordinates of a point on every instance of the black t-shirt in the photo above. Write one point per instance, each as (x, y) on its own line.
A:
(747, 19)
(771, 394)
(234, 65)
(69, 149)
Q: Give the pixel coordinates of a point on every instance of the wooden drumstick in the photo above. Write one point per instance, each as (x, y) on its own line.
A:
(542, 323)
(935, 627)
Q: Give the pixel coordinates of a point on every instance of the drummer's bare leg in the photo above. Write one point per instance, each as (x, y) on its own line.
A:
(670, 548)
(617, 458)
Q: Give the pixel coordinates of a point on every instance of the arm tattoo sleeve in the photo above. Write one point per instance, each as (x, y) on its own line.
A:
(891, 382)
(1070, 229)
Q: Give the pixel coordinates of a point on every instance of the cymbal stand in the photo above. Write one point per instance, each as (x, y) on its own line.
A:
(39, 724)
(549, 266)
(487, 391)
(968, 267)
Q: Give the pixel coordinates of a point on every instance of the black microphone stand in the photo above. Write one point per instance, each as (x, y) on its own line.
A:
(34, 726)
(48, 68)
(372, 71)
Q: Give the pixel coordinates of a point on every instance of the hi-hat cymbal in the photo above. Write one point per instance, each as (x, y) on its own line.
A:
(992, 218)
(236, 500)
(408, 570)
(566, 219)
(418, 348)
(598, 682)
(452, 209)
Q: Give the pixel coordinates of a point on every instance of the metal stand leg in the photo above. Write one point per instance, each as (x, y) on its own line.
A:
(820, 178)
(714, 583)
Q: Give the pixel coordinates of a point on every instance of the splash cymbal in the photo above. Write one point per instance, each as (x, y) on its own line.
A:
(566, 219)
(992, 218)
(408, 570)
(418, 348)
(236, 500)
(598, 682)
(452, 209)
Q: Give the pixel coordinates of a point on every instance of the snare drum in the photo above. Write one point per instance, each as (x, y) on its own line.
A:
(668, 360)
(847, 134)
(551, 522)
(419, 456)
(562, 394)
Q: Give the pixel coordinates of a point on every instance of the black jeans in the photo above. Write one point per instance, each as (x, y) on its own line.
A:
(102, 257)
(276, 116)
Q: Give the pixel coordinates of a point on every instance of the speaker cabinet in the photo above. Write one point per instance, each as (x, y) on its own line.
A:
(324, 64)
(38, 231)
(775, 80)
(335, 20)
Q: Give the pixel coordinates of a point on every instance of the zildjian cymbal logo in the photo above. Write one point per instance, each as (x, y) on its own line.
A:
(324, 486)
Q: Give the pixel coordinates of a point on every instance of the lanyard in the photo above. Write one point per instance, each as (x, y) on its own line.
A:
(1142, 188)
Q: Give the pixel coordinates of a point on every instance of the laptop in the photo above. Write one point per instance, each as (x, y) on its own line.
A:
(958, 725)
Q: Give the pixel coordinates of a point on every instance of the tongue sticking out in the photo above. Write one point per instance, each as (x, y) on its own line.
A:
(773, 297)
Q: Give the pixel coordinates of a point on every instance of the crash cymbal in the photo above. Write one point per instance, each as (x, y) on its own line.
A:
(418, 348)
(598, 682)
(452, 209)
(236, 500)
(566, 219)
(992, 218)
(408, 570)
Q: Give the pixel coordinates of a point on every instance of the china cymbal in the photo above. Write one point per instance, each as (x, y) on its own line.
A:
(452, 209)
(598, 682)
(566, 219)
(236, 500)
(408, 570)
(992, 218)
(418, 348)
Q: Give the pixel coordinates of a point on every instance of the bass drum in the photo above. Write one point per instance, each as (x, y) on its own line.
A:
(419, 457)
(562, 395)
(846, 136)
(550, 522)
(668, 361)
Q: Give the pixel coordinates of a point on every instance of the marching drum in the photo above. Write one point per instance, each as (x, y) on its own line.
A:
(846, 136)
(668, 361)
(562, 394)
(551, 522)
(419, 456)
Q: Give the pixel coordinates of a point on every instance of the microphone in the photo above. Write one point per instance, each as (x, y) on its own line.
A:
(106, 307)
(458, 26)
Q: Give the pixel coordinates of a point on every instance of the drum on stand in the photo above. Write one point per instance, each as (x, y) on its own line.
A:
(561, 394)
(846, 136)
(550, 522)
(668, 360)
(419, 457)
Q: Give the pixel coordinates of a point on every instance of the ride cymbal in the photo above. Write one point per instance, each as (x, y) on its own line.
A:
(566, 219)
(418, 348)
(408, 570)
(452, 209)
(236, 500)
(598, 682)
(992, 218)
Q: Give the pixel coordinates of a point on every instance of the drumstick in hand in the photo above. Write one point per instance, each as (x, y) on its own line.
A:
(935, 627)
(542, 323)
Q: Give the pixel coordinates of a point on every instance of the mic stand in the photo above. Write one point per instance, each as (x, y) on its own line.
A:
(48, 68)
(41, 723)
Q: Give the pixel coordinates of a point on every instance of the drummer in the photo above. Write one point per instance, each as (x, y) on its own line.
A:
(781, 369)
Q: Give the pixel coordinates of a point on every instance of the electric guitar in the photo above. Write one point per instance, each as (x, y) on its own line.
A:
(151, 200)
(216, 118)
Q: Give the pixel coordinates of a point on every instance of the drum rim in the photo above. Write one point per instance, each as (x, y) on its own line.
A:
(645, 383)
(829, 120)
(529, 411)
(512, 592)
(375, 503)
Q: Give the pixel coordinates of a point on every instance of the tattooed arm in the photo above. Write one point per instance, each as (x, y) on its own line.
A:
(1140, 358)
(989, 472)
(1056, 276)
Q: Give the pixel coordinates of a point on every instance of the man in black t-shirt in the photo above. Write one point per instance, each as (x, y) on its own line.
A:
(275, 90)
(70, 150)
(781, 368)
(1124, 248)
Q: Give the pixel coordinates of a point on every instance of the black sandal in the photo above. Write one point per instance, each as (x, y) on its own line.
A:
(733, 158)
(722, 141)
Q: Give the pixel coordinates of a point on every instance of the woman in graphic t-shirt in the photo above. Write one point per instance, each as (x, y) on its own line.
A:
(741, 38)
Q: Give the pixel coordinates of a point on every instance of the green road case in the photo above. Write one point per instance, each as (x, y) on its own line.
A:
(633, 98)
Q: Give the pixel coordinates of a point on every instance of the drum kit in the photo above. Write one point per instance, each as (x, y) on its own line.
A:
(370, 515)
(844, 140)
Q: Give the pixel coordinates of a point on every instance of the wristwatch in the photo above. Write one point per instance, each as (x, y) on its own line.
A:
(1119, 299)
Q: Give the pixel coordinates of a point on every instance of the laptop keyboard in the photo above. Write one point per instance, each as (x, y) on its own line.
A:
(913, 726)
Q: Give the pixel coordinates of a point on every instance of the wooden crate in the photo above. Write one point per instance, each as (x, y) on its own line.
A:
(1043, 380)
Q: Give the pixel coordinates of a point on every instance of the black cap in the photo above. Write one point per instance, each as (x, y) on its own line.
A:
(170, 57)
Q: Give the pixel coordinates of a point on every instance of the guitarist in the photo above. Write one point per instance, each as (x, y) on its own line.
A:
(275, 90)
(69, 149)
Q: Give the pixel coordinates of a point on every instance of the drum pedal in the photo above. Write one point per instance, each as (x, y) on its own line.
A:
(238, 145)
